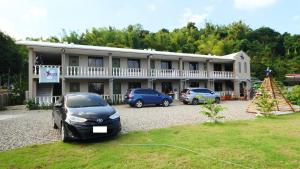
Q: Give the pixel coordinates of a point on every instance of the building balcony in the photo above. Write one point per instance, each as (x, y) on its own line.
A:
(79, 71)
(221, 75)
(36, 68)
(103, 72)
(194, 74)
(129, 72)
(165, 73)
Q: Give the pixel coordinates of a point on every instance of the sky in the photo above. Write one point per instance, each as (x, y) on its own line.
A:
(41, 18)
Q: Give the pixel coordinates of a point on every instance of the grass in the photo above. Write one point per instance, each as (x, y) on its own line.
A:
(261, 143)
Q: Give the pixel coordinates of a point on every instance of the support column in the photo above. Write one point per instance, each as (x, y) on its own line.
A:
(180, 66)
(111, 88)
(248, 87)
(110, 64)
(149, 65)
(30, 73)
(181, 85)
(150, 83)
(236, 84)
(63, 82)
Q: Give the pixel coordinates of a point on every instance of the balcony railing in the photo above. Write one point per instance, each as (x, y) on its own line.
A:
(36, 68)
(45, 100)
(87, 71)
(224, 93)
(129, 72)
(79, 71)
(194, 74)
(222, 74)
(165, 73)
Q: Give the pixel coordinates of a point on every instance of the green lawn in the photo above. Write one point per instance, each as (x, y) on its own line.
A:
(260, 143)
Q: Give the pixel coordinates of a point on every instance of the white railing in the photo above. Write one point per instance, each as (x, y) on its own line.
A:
(46, 100)
(165, 73)
(194, 73)
(116, 98)
(86, 71)
(36, 68)
(221, 74)
(129, 72)
(105, 97)
(224, 93)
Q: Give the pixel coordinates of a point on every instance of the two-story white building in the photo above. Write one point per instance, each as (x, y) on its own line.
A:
(111, 71)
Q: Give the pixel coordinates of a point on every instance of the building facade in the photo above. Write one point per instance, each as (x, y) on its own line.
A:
(111, 71)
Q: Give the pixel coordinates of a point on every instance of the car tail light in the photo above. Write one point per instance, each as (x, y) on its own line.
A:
(130, 96)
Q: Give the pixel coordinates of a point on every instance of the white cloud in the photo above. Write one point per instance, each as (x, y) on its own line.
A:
(189, 16)
(35, 13)
(151, 7)
(252, 4)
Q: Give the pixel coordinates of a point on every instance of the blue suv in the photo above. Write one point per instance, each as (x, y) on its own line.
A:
(140, 97)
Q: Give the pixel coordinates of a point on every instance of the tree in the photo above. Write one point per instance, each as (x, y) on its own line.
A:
(212, 110)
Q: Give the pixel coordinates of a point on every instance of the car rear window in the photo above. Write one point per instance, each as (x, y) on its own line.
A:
(75, 101)
(201, 90)
(139, 91)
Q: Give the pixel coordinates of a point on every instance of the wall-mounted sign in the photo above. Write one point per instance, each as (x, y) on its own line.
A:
(49, 74)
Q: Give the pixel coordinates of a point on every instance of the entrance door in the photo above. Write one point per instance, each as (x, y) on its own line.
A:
(194, 84)
(117, 87)
(243, 89)
(73, 63)
(166, 87)
(116, 64)
(73, 60)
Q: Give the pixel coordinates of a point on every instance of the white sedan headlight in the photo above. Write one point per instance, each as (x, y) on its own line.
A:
(115, 115)
(71, 118)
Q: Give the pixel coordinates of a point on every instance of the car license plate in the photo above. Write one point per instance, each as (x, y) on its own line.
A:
(99, 129)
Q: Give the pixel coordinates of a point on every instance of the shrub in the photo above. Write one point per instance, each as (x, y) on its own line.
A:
(264, 103)
(212, 110)
(31, 105)
(294, 95)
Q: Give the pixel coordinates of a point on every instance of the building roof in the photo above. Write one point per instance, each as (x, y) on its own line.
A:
(88, 49)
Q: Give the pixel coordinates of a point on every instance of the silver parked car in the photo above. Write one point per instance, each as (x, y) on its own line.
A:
(198, 95)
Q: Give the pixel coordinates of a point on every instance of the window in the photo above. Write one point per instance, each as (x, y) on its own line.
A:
(218, 86)
(95, 62)
(245, 67)
(228, 67)
(194, 66)
(73, 61)
(116, 62)
(133, 63)
(217, 67)
(152, 64)
(132, 85)
(166, 65)
(240, 67)
(96, 87)
(201, 90)
(74, 87)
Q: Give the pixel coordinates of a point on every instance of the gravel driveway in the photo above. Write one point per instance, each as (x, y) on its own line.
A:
(19, 127)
